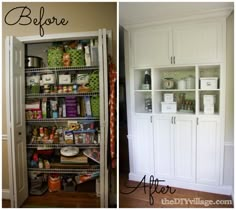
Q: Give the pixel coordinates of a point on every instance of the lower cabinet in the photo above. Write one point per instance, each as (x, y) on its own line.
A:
(142, 146)
(182, 148)
(208, 150)
(174, 147)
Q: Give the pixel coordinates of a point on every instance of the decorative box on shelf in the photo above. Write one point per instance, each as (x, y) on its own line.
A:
(168, 107)
(208, 83)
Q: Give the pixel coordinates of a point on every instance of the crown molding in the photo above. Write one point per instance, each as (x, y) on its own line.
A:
(215, 13)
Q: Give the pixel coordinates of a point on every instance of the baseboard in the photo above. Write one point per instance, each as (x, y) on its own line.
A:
(6, 194)
(224, 190)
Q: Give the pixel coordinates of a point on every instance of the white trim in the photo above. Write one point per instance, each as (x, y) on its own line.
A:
(4, 137)
(225, 12)
(6, 194)
(223, 190)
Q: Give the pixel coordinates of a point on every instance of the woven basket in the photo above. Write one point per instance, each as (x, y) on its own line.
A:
(95, 106)
(76, 56)
(94, 81)
(55, 57)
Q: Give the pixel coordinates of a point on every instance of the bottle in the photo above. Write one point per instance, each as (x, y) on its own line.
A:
(148, 103)
(147, 80)
(48, 109)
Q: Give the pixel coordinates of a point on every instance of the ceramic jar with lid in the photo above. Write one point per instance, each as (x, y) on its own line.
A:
(190, 82)
(182, 84)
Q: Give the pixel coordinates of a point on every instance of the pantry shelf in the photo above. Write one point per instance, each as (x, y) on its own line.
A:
(65, 171)
(62, 119)
(174, 90)
(53, 146)
(60, 69)
(43, 95)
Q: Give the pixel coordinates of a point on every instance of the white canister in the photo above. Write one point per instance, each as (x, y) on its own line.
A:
(182, 84)
(190, 82)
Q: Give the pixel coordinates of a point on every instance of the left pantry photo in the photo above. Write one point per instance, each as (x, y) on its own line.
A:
(59, 116)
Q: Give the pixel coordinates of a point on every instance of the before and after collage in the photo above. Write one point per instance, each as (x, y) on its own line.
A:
(117, 104)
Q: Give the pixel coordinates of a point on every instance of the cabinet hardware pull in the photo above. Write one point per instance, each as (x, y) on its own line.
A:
(171, 120)
(151, 119)
(174, 59)
(174, 120)
(197, 120)
(171, 60)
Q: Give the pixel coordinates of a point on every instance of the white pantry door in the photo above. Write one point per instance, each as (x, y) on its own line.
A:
(15, 85)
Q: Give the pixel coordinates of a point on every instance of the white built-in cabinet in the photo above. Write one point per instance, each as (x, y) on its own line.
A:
(185, 148)
(196, 42)
(172, 136)
(142, 147)
(208, 150)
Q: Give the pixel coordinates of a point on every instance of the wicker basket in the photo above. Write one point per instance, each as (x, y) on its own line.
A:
(55, 57)
(95, 106)
(94, 81)
(76, 56)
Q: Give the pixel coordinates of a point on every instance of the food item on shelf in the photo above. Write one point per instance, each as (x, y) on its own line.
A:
(68, 137)
(46, 164)
(44, 107)
(86, 177)
(87, 106)
(55, 57)
(54, 183)
(148, 103)
(66, 59)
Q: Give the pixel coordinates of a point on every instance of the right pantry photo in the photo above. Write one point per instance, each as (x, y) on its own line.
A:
(176, 99)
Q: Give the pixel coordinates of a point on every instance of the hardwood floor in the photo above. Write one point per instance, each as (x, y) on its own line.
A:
(139, 199)
(60, 200)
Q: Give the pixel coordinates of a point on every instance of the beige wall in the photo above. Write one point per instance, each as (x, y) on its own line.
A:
(229, 105)
(81, 16)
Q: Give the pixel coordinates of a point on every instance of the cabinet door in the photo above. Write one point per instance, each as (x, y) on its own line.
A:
(163, 150)
(208, 151)
(197, 43)
(184, 147)
(16, 121)
(151, 47)
(142, 146)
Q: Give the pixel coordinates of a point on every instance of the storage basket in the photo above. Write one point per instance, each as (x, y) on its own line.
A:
(95, 106)
(94, 81)
(76, 56)
(55, 57)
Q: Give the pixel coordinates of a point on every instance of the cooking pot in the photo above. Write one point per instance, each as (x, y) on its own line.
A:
(33, 62)
(168, 83)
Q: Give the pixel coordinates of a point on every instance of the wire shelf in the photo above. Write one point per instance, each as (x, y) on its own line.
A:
(64, 171)
(63, 119)
(60, 69)
(54, 146)
(43, 95)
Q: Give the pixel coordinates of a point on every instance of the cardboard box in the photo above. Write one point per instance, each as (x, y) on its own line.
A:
(208, 83)
(168, 97)
(168, 107)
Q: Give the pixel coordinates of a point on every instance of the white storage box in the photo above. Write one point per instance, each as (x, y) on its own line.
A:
(168, 97)
(33, 80)
(48, 79)
(64, 79)
(209, 99)
(209, 109)
(208, 83)
(168, 107)
(82, 79)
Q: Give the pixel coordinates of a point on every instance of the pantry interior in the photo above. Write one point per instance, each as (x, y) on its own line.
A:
(65, 109)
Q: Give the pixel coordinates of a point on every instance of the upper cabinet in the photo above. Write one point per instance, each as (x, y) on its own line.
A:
(151, 47)
(197, 43)
(182, 43)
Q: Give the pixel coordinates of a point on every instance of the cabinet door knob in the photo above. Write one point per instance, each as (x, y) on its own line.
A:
(171, 59)
(19, 133)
